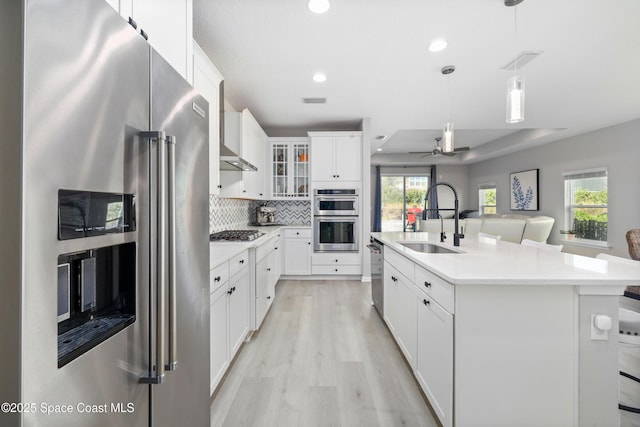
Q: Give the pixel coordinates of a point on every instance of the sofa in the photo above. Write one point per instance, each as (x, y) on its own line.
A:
(510, 227)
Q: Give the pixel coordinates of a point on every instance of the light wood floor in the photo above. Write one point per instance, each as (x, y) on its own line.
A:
(323, 357)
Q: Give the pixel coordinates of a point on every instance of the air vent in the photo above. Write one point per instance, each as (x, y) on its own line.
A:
(314, 100)
(522, 59)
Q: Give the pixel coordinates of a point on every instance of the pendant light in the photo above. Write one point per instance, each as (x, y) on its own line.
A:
(318, 6)
(515, 85)
(447, 132)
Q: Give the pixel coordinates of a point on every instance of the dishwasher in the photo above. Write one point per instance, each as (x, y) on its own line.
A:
(377, 262)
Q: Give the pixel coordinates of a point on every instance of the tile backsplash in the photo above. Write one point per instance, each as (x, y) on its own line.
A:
(290, 212)
(228, 214)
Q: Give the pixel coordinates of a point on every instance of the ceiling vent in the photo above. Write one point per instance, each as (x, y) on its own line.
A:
(522, 59)
(314, 100)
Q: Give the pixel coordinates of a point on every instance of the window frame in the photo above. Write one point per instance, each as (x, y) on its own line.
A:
(482, 207)
(405, 181)
(570, 207)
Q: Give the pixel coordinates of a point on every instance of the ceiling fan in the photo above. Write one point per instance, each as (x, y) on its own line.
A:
(437, 150)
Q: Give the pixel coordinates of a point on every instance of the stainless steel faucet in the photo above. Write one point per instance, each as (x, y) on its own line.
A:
(457, 234)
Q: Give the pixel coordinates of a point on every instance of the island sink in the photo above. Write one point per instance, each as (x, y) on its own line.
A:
(427, 248)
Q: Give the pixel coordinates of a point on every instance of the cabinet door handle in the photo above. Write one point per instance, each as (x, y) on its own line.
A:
(425, 302)
(269, 269)
(336, 260)
(269, 297)
(276, 248)
(241, 261)
(427, 284)
(230, 291)
(216, 279)
(297, 233)
(336, 269)
(233, 289)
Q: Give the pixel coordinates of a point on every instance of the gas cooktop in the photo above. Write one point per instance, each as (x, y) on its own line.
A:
(235, 235)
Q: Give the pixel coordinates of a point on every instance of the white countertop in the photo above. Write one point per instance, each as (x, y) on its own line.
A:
(485, 261)
(221, 251)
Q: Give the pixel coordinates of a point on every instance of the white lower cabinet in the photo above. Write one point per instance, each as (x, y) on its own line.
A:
(267, 274)
(400, 311)
(434, 363)
(218, 336)
(229, 285)
(418, 309)
(238, 309)
(297, 251)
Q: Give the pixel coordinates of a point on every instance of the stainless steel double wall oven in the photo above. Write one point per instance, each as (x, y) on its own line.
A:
(336, 220)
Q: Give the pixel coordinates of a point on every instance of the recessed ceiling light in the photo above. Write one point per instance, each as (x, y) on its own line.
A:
(318, 6)
(438, 45)
(378, 149)
(319, 77)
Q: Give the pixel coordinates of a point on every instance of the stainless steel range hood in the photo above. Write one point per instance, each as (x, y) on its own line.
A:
(229, 160)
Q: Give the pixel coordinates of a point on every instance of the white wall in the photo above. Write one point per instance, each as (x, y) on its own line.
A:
(616, 147)
(458, 177)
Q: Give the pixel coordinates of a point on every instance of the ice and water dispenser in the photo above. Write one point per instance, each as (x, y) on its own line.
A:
(96, 286)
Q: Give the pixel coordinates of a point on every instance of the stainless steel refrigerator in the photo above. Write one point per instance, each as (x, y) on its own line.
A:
(104, 272)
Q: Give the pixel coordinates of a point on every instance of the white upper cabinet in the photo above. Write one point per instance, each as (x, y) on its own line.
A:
(289, 164)
(254, 150)
(245, 137)
(336, 156)
(206, 80)
(169, 26)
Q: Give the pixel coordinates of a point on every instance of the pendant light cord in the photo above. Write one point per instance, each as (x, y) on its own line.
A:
(515, 38)
(448, 98)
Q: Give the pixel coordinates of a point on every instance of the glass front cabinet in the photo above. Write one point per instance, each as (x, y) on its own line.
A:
(289, 168)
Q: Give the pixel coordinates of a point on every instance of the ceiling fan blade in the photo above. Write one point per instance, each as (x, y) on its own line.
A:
(426, 155)
(420, 152)
(460, 149)
(451, 153)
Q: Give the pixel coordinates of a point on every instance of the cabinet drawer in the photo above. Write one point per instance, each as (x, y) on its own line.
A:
(336, 269)
(218, 276)
(435, 287)
(297, 233)
(265, 249)
(400, 263)
(238, 262)
(336, 259)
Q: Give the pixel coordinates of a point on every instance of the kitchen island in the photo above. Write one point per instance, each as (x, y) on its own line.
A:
(499, 334)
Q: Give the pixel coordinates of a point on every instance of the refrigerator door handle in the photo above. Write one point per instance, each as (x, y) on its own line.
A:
(171, 179)
(157, 368)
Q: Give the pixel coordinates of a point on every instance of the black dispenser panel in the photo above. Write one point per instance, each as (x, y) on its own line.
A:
(89, 213)
(96, 297)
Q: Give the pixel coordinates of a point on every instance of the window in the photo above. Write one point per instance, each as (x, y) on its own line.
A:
(419, 182)
(586, 205)
(487, 199)
(402, 201)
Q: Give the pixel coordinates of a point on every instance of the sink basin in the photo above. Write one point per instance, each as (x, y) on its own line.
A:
(427, 248)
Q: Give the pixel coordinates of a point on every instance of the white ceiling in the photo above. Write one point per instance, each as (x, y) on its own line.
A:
(375, 55)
